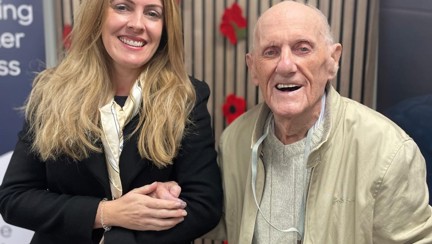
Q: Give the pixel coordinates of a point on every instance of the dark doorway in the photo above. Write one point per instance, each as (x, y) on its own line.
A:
(405, 70)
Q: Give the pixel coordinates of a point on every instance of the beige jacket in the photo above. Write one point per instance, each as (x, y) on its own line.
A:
(368, 180)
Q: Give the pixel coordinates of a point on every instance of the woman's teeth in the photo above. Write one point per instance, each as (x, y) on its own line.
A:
(131, 42)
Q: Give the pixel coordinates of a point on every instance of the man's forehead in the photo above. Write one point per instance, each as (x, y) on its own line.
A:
(292, 34)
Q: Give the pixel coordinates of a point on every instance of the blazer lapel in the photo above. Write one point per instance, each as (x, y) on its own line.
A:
(97, 167)
(131, 164)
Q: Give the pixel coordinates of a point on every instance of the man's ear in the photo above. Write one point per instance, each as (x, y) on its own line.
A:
(336, 52)
(250, 65)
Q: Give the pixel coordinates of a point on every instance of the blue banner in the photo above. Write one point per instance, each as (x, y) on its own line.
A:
(22, 54)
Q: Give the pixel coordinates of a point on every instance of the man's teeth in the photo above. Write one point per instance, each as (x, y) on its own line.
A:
(281, 86)
(287, 87)
(132, 42)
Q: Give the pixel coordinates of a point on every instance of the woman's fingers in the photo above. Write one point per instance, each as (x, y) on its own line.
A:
(153, 216)
(161, 224)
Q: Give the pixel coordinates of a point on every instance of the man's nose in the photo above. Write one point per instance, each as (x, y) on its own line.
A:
(286, 63)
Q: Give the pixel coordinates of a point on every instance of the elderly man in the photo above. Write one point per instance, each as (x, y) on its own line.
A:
(310, 166)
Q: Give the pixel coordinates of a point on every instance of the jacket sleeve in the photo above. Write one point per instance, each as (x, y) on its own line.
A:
(220, 232)
(402, 213)
(197, 172)
(25, 200)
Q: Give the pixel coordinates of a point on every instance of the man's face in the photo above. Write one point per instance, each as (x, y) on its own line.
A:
(291, 61)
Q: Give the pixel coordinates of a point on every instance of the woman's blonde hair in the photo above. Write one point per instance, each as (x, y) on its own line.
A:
(62, 109)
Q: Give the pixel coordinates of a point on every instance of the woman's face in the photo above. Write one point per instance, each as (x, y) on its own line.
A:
(132, 32)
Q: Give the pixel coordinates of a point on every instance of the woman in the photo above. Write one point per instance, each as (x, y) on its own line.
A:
(115, 118)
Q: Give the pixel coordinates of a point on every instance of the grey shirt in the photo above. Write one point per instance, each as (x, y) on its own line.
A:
(286, 182)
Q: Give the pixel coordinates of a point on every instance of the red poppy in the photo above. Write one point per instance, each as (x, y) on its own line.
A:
(66, 36)
(233, 25)
(233, 107)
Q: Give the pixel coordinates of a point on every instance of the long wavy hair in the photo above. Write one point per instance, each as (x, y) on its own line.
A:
(62, 108)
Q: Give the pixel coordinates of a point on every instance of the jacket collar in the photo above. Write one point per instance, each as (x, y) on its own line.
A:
(260, 123)
(332, 115)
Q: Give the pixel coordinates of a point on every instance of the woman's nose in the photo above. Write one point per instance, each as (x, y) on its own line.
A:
(136, 22)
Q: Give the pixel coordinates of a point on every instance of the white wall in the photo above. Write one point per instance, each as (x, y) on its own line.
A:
(11, 234)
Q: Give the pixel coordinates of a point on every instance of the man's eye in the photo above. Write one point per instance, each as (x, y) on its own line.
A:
(270, 53)
(302, 49)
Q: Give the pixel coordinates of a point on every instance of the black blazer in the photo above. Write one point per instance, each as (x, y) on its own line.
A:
(58, 200)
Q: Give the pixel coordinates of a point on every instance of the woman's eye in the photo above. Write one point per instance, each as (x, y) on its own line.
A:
(121, 7)
(154, 14)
